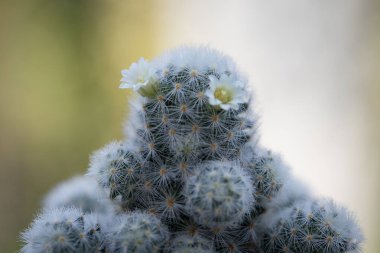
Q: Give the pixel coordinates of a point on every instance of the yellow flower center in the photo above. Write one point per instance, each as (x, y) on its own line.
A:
(141, 79)
(223, 95)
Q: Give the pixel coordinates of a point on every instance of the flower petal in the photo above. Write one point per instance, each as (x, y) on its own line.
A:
(225, 106)
(125, 86)
(214, 101)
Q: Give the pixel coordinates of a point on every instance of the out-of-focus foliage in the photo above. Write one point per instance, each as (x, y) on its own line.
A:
(59, 98)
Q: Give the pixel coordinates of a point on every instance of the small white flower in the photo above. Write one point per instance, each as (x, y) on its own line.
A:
(226, 92)
(138, 75)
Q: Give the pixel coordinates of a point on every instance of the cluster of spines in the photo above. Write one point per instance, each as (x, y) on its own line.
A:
(178, 130)
(187, 163)
(191, 244)
(219, 194)
(269, 174)
(137, 232)
(118, 170)
(64, 230)
(81, 192)
(311, 227)
(179, 122)
(68, 230)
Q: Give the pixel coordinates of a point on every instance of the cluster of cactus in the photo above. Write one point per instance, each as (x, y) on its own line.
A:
(189, 176)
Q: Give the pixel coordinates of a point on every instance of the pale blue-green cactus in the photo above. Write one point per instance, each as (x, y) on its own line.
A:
(220, 194)
(137, 232)
(310, 226)
(65, 230)
(189, 176)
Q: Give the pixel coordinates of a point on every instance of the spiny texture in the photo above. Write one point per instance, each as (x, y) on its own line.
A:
(137, 232)
(116, 168)
(80, 192)
(319, 226)
(189, 176)
(65, 231)
(219, 194)
(191, 244)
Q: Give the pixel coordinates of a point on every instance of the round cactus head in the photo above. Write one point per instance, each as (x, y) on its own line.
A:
(194, 106)
(219, 195)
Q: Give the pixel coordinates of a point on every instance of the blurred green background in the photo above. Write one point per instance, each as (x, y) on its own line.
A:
(60, 63)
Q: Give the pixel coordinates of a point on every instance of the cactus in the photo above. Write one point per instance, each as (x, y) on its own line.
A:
(191, 244)
(137, 232)
(65, 230)
(219, 195)
(80, 192)
(189, 176)
(310, 226)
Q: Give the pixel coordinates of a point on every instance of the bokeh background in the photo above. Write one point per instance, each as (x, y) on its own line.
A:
(314, 66)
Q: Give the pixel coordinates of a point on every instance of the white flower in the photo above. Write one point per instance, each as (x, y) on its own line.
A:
(138, 75)
(226, 92)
